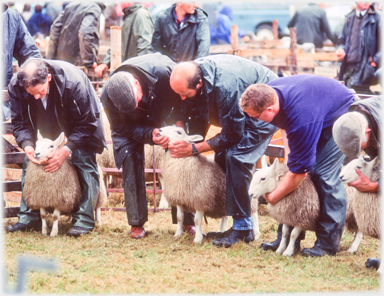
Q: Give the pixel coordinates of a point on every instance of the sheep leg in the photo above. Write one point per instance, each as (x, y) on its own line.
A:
(55, 225)
(291, 246)
(163, 201)
(198, 221)
(180, 221)
(356, 242)
(44, 227)
(256, 226)
(284, 239)
(224, 223)
(98, 216)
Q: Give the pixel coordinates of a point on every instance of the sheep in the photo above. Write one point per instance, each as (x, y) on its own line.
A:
(194, 184)
(58, 191)
(366, 205)
(300, 208)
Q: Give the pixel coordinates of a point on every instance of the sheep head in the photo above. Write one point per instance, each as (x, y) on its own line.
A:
(45, 146)
(348, 174)
(267, 179)
(178, 134)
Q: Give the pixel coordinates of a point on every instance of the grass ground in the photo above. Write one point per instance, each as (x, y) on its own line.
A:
(108, 261)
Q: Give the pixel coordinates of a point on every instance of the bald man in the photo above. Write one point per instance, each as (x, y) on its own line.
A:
(210, 89)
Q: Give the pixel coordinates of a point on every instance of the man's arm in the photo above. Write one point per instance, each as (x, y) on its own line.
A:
(203, 39)
(363, 184)
(289, 183)
(25, 46)
(143, 31)
(54, 37)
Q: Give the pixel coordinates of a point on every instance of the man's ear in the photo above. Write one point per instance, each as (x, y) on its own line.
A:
(200, 84)
(49, 77)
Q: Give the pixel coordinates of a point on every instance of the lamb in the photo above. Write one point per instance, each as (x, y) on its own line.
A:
(300, 208)
(58, 191)
(194, 184)
(366, 205)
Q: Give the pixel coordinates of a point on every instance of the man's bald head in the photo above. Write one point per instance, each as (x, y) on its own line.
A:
(185, 77)
(32, 72)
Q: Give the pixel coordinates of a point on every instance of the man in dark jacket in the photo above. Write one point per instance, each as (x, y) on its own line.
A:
(18, 43)
(359, 50)
(358, 129)
(210, 89)
(55, 97)
(75, 34)
(312, 25)
(138, 100)
(136, 36)
(182, 32)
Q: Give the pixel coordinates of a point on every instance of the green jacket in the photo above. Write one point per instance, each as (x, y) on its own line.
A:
(136, 33)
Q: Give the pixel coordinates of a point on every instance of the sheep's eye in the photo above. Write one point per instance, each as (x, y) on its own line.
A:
(262, 179)
(359, 167)
(51, 146)
(179, 132)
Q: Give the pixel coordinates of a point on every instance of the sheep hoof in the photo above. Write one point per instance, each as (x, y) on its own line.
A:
(287, 253)
(44, 231)
(257, 235)
(54, 233)
(352, 250)
(198, 240)
(279, 251)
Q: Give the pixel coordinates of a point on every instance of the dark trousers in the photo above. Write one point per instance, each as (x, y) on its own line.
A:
(86, 167)
(134, 190)
(238, 161)
(333, 204)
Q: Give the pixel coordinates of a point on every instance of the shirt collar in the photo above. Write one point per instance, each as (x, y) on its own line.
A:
(179, 23)
(362, 12)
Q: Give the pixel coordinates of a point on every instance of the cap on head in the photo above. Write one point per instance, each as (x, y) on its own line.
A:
(120, 90)
(348, 134)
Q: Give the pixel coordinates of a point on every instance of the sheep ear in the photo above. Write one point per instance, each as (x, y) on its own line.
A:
(264, 161)
(39, 136)
(376, 161)
(275, 162)
(59, 140)
(195, 138)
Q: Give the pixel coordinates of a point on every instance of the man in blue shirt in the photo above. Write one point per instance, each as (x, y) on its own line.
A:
(305, 108)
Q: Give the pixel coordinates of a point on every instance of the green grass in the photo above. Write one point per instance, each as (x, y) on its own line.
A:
(108, 261)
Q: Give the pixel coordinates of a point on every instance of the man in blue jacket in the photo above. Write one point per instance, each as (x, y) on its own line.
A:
(210, 89)
(306, 107)
(17, 43)
(54, 97)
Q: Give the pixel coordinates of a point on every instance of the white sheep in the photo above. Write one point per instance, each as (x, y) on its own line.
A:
(194, 184)
(300, 208)
(366, 205)
(58, 191)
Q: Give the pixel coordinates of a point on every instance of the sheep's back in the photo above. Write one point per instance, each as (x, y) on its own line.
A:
(300, 208)
(195, 183)
(60, 189)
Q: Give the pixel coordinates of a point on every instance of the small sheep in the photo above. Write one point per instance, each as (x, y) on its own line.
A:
(194, 184)
(58, 191)
(366, 205)
(300, 208)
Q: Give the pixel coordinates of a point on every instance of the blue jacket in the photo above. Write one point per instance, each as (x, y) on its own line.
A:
(39, 23)
(19, 43)
(370, 34)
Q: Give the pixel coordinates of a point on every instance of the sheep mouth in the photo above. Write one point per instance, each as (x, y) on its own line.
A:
(343, 180)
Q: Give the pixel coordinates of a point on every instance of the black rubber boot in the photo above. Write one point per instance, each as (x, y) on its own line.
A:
(372, 263)
(275, 244)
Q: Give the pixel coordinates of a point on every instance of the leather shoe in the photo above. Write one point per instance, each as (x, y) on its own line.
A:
(219, 234)
(372, 263)
(76, 231)
(315, 251)
(137, 232)
(17, 227)
(234, 237)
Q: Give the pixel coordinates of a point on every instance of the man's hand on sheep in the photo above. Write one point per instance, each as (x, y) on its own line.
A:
(363, 184)
(159, 140)
(180, 149)
(30, 152)
(55, 160)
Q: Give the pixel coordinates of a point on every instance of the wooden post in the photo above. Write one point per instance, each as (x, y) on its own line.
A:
(293, 61)
(275, 30)
(115, 47)
(234, 37)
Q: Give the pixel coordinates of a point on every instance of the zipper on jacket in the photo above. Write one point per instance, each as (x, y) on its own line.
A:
(77, 107)
(30, 118)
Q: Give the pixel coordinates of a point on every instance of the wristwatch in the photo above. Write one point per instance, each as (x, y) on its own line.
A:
(194, 150)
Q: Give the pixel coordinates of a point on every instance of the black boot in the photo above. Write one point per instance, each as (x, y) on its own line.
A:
(275, 244)
(234, 237)
(372, 263)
